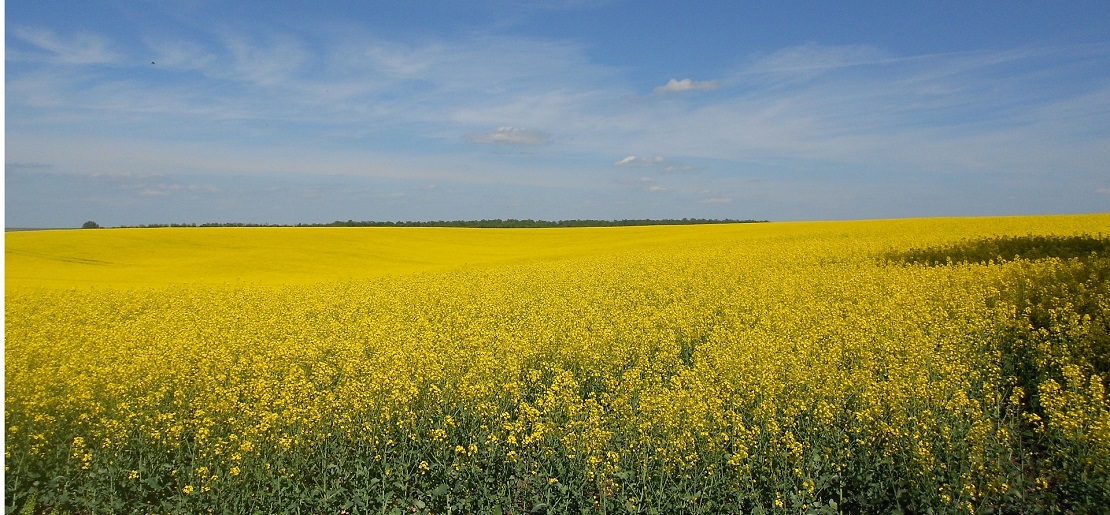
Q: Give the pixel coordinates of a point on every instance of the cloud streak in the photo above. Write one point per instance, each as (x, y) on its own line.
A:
(659, 162)
(810, 59)
(512, 136)
(679, 86)
(77, 49)
(919, 112)
(19, 165)
(644, 184)
(253, 102)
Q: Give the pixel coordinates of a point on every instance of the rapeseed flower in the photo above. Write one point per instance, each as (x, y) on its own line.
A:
(758, 360)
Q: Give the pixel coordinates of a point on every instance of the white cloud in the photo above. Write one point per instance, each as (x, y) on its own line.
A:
(269, 62)
(640, 161)
(180, 54)
(163, 189)
(404, 62)
(20, 165)
(367, 106)
(655, 161)
(810, 59)
(643, 184)
(393, 194)
(123, 176)
(677, 86)
(512, 136)
(884, 114)
(80, 48)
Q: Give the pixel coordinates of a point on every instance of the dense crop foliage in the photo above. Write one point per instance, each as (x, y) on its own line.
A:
(1009, 248)
(776, 368)
(1054, 350)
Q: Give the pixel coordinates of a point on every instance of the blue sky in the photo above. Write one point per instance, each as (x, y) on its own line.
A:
(139, 112)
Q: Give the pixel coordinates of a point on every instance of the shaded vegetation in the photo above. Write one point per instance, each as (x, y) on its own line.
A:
(1053, 347)
(1008, 248)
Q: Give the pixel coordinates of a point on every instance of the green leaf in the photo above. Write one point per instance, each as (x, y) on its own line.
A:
(441, 490)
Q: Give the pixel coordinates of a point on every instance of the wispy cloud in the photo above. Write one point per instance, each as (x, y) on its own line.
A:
(648, 184)
(297, 102)
(79, 48)
(811, 59)
(171, 188)
(178, 54)
(124, 176)
(971, 112)
(148, 184)
(438, 88)
(660, 162)
(512, 136)
(915, 112)
(21, 165)
(678, 86)
(640, 161)
(274, 60)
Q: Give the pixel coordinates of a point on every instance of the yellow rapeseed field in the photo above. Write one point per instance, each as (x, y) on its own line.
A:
(783, 367)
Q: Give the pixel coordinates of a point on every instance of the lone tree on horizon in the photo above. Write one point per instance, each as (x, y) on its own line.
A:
(90, 225)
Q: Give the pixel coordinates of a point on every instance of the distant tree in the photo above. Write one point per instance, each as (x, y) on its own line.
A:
(90, 225)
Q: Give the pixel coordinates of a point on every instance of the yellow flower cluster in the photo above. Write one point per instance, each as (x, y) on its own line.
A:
(769, 360)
